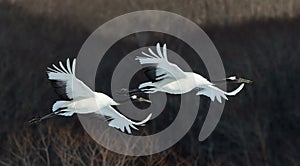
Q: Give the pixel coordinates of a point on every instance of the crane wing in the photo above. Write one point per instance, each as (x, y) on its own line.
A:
(214, 92)
(119, 121)
(65, 83)
(163, 68)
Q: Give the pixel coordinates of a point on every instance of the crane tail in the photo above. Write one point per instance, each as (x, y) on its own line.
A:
(61, 108)
(147, 87)
(59, 104)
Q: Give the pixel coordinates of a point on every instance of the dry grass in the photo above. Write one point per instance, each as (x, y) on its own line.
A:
(53, 146)
(93, 13)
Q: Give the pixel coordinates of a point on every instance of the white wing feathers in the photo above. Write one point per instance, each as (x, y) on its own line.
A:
(73, 87)
(213, 92)
(119, 121)
(164, 67)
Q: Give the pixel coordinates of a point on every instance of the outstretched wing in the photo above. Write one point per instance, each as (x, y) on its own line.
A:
(119, 121)
(163, 68)
(214, 92)
(65, 83)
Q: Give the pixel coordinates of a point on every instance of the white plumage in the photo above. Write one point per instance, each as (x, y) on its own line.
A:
(171, 79)
(79, 98)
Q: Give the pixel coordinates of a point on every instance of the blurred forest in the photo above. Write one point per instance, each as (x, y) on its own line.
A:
(259, 40)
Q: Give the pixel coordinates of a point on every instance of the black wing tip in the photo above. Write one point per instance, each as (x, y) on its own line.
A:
(150, 72)
(60, 89)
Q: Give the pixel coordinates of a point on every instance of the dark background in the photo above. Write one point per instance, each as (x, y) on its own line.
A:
(259, 40)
